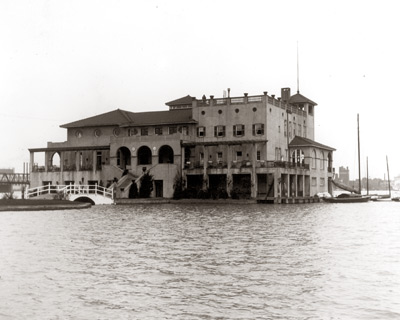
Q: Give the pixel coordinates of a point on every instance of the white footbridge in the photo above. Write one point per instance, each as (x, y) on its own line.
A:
(93, 194)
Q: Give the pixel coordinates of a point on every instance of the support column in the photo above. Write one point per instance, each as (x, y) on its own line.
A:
(254, 186)
(229, 179)
(205, 163)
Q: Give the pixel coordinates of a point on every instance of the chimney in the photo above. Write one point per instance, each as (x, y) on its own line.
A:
(285, 94)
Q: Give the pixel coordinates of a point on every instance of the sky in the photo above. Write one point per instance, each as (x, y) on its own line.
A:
(62, 61)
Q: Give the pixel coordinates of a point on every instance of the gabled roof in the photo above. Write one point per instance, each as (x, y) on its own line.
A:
(181, 101)
(116, 118)
(304, 142)
(180, 116)
(126, 118)
(299, 98)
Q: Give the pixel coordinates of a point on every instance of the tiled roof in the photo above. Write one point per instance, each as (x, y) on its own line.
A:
(126, 118)
(299, 98)
(304, 142)
(181, 101)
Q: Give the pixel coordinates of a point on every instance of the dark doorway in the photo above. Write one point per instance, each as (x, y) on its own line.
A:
(166, 155)
(159, 188)
(123, 157)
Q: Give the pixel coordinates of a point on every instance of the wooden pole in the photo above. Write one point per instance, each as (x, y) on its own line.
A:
(387, 164)
(359, 167)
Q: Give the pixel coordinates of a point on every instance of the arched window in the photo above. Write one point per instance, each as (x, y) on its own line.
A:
(54, 162)
(322, 160)
(165, 155)
(330, 162)
(314, 159)
(123, 157)
(144, 155)
(298, 156)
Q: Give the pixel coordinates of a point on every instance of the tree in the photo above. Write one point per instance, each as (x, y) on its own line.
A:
(146, 185)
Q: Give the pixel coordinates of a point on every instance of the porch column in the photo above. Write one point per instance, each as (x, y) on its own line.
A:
(205, 163)
(229, 180)
(254, 186)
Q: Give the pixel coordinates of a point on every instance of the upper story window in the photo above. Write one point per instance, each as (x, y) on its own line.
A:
(219, 131)
(258, 155)
(322, 160)
(290, 129)
(185, 130)
(314, 159)
(239, 155)
(132, 132)
(238, 130)
(144, 131)
(158, 131)
(172, 129)
(201, 131)
(219, 157)
(258, 129)
(285, 128)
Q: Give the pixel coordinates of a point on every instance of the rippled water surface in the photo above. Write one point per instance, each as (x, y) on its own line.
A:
(316, 261)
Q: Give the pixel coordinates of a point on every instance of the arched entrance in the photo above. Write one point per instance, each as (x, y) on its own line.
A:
(54, 162)
(123, 157)
(166, 155)
(144, 155)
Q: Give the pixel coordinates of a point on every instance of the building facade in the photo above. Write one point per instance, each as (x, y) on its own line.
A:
(258, 147)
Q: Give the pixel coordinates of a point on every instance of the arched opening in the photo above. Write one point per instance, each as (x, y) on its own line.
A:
(322, 160)
(330, 162)
(123, 157)
(144, 155)
(298, 157)
(314, 159)
(85, 200)
(54, 162)
(166, 155)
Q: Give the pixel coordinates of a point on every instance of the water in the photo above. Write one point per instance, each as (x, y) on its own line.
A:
(316, 261)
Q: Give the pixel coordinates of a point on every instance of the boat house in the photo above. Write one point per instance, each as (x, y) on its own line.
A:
(256, 147)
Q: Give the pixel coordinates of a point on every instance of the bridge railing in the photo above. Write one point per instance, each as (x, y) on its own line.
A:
(70, 189)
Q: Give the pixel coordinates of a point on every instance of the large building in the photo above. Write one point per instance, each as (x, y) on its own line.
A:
(258, 147)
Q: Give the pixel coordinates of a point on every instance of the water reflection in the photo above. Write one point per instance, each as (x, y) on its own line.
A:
(202, 262)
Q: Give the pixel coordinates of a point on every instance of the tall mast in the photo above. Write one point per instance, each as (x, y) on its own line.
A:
(359, 169)
(387, 164)
(298, 82)
(367, 178)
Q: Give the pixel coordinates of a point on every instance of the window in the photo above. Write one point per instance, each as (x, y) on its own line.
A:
(201, 131)
(239, 155)
(321, 161)
(314, 159)
(294, 129)
(144, 131)
(185, 130)
(219, 157)
(314, 181)
(285, 128)
(219, 131)
(322, 182)
(290, 129)
(258, 129)
(201, 157)
(258, 155)
(132, 132)
(172, 129)
(158, 131)
(238, 130)
(304, 131)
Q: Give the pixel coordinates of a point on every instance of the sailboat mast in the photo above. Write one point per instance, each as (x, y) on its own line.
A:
(359, 167)
(387, 164)
(367, 179)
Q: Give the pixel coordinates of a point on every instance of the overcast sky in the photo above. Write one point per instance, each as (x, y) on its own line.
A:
(62, 61)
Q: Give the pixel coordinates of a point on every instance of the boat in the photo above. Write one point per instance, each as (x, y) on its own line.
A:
(347, 198)
(384, 196)
(355, 196)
